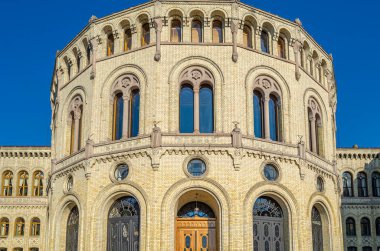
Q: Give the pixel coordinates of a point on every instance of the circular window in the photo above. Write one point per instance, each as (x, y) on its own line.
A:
(196, 167)
(70, 183)
(121, 172)
(270, 173)
(320, 184)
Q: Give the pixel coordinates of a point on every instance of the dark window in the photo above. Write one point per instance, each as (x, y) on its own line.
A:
(72, 230)
(121, 172)
(362, 185)
(264, 41)
(352, 249)
(145, 38)
(347, 184)
(118, 110)
(195, 209)
(206, 115)
(316, 223)
(196, 167)
(377, 227)
(186, 113)
(134, 115)
(367, 249)
(350, 227)
(320, 184)
(247, 36)
(365, 227)
(270, 172)
(176, 31)
(127, 40)
(274, 111)
(110, 44)
(217, 31)
(376, 184)
(196, 31)
(258, 114)
(281, 47)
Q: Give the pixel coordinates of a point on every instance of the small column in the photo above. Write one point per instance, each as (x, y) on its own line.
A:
(234, 30)
(297, 48)
(266, 117)
(94, 50)
(258, 38)
(77, 116)
(313, 135)
(196, 109)
(158, 26)
(135, 41)
(125, 116)
(274, 44)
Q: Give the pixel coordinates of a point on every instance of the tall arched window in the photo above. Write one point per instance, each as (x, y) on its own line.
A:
(206, 110)
(35, 227)
(196, 31)
(281, 47)
(176, 31)
(186, 104)
(87, 45)
(4, 227)
(316, 223)
(19, 227)
(75, 121)
(258, 112)
(145, 34)
(350, 227)
(38, 185)
(7, 184)
(127, 40)
(22, 183)
(72, 230)
(118, 111)
(134, 113)
(274, 110)
(315, 127)
(110, 44)
(365, 227)
(124, 225)
(362, 185)
(217, 31)
(377, 226)
(264, 40)
(376, 184)
(247, 36)
(347, 185)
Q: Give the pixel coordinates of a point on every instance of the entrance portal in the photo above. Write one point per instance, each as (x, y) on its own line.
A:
(196, 228)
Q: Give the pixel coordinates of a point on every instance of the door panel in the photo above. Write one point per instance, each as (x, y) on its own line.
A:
(268, 234)
(195, 235)
(123, 234)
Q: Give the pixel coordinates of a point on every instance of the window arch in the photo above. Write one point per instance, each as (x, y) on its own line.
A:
(75, 122)
(196, 31)
(377, 226)
(281, 47)
(127, 39)
(347, 185)
(247, 36)
(362, 185)
(365, 227)
(7, 184)
(38, 185)
(376, 184)
(196, 113)
(264, 41)
(176, 31)
(22, 183)
(110, 44)
(217, 31)
(145, 34)
(4, 227)
(19, 227)
(317, 228)
(350, 227)
(35, 227)
(126, 107)
(315, 127)
(72, 230)
(267, 109)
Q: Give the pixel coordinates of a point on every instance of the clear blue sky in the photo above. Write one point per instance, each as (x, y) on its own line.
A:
(32, 31)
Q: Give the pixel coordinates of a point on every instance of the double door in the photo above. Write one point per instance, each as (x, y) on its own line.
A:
(195, 235)
(268, 234)
(123, 234)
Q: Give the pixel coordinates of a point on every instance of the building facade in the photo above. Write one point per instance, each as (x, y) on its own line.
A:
(189, 126)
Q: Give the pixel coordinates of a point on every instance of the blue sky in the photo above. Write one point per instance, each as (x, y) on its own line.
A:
(32, 31)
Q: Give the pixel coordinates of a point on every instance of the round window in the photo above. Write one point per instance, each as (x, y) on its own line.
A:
(70, 183)
(320, 184)
(121, 172)
(196, 167)
(270, 173)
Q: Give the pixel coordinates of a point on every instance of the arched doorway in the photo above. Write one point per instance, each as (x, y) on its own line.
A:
(268, 225)
(316, 224)
(196, 228)
(123, 232)
(72, 230)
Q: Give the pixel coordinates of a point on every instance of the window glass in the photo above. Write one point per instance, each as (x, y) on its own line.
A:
(206, 116)
(135, 110)
(196, 31)
(196, 167)
(270, 172)
(264, 42)
(258, 114)
(121, 172)
(186, 109)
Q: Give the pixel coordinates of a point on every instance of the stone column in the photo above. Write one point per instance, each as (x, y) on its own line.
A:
(297, 47)
(77, 116)
(158, 26)
(274, 48)
(94, 49)
(234, 30)
(196, 109)
(125, 116)
(258, 38)
(266, 118)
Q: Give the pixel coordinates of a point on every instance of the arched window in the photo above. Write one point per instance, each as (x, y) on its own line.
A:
(4, 227)
(72, 230)
(75, 121)
(186, 103)
(87, 45)
(350, 227)
(134, 113)
(376, 184)
(247, 36)
(315, 127)
(176, 31)
(124, 225)
(347, 185)
(145, 34)
(7, 184)
(377, 226)
(316, 223)
(22, 183)
(118, 111)
(281, 47)
(38, 185)
(35, 227)
(206, 110)
(264, 38)
(268, 225)
(196, 31)
(362, 185)
(258, 113)
(19, 227)
(78, 59)
(274, 110)
(110, 44)
(196, 209)
(127, 39)
(217, 31)
(365, 227)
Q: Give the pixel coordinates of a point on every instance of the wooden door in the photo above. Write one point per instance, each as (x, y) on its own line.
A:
(195, 234)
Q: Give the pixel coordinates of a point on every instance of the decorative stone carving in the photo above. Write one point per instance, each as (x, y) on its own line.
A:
(236, 136)
(125, 84)
(156, 137)
(157, 23)
(196, 76)
(234, 30)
